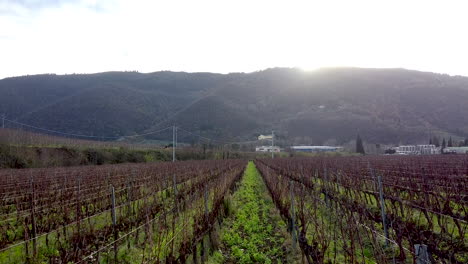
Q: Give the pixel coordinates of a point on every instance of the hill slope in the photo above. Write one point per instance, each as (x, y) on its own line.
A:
(328, 105)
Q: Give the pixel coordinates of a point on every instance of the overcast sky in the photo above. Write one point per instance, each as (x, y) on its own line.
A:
(85, 36)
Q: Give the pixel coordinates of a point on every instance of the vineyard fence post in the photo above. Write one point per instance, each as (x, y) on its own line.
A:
(33, 218)
(325, 186)
(206, 202)
(114, 223)
(174, 183)
(195, 255)
(293, 228)
(129, 199)
(129, 206)
(203, 246)
(422, 254)
(78, 204)
(382, 208)
(132, 183)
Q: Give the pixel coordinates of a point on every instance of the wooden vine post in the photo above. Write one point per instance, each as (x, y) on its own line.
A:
(382, 203)
(422, 255)
(203, 246)
(293, 227)
(114, 223)
(33, 218)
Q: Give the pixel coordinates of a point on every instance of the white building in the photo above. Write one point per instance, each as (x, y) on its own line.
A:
(264, 137)
(417, 150)
(315, 148)
(406, 150)
(267, 149)
(456, 150)
(428, 149)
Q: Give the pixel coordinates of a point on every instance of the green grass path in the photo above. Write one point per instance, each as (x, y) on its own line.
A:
(255, 232)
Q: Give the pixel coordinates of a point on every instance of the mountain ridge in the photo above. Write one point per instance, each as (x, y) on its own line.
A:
(329, 105)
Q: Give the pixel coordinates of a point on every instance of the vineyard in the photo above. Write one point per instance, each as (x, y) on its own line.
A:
(329, 210)
(121, 213)
(376, 209)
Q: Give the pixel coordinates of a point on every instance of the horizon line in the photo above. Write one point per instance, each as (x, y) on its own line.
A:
(238, 72)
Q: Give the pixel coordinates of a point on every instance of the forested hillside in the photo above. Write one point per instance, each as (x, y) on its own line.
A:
(323, 106)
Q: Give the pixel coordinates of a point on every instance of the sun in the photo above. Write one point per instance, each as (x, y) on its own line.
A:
(309, 68)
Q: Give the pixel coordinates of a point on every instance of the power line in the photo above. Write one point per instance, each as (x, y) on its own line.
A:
(171, 116)
(83, 135)
(149, 133)
(126, 136)
(215, 140)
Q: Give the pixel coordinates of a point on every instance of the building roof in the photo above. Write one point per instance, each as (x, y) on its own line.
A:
(315, 147)
(456, 148)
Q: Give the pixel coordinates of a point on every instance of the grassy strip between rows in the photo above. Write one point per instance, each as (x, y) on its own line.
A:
(255, 232)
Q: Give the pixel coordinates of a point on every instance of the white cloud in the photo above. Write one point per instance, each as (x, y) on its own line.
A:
(224, 36)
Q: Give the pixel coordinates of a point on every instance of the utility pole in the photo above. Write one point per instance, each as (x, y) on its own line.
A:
(174, 180)
(173, 142)
(272, 143)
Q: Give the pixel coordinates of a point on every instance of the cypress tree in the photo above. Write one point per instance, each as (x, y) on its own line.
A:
(450, 143)
(443, 144)
(359, 145)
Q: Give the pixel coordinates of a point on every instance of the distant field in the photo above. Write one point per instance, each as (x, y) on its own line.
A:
(18, 137)
(22, 149)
